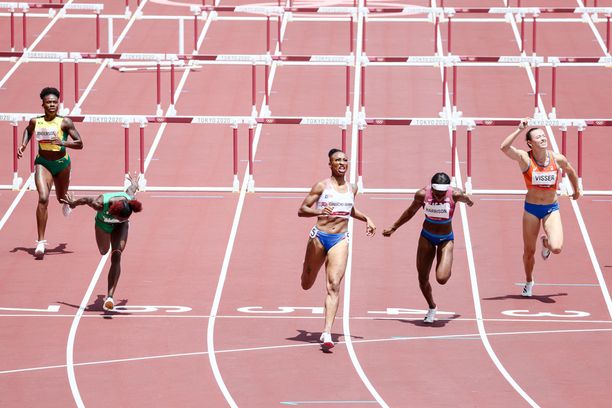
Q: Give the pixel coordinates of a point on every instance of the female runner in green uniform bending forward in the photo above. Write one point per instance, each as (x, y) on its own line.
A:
(112, 223)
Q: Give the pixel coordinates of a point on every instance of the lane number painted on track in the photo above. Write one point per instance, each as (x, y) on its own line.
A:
(527, 313)
(281, 309)
(151, 309)
(394, 311)
(49, 309)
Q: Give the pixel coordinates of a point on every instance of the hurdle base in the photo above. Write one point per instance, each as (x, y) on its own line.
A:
(468, 186)
(235, 185)
(159, 111)
(360, 184)
(553, 114)
(251, 185)
(16, 182)
(142, 182)
(171, 111)
(76, 110)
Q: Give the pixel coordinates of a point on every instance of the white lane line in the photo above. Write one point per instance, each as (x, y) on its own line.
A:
(314, 344)
(560, 284)
(72, 335)
(327, 402)
(210, 332)
(16, 201)
(348, 274)
(472, 267)
(582, 226)
(77, 318)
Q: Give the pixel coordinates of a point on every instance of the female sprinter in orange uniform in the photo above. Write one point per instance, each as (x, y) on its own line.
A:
(437, 238)
(332, 202)
(52, 162)
(540, 168)
(112, 224)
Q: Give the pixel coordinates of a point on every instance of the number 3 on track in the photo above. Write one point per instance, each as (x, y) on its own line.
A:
(526, 313)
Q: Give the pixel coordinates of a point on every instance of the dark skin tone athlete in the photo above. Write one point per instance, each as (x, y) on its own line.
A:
(42, 177)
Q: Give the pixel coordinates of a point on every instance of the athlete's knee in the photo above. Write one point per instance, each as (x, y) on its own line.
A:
(116, 255)
(528, 254)
(443, 279)
(333, 286)
(43, 200)
(306, 282)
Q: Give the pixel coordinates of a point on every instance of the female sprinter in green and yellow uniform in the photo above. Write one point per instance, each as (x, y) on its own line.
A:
(52, 162)
(113, 211)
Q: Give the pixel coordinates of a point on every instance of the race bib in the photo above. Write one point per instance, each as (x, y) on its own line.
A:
(437, 210)
(45, 134)
(545, 178)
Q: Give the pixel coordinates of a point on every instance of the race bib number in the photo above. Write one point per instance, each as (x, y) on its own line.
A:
(545, 178)
(438, 210)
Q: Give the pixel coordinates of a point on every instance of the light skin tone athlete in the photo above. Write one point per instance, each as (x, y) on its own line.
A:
(439, 245)
(546, 199)
(49, 162)
(334, 258)
(111, 236)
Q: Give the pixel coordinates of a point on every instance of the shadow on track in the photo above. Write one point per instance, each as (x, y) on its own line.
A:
(539, 298)
(60, 249)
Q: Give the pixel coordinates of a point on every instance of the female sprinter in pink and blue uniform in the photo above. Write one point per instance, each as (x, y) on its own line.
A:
(332, 202)
(540, 168)
(52, 163)
(437, 239)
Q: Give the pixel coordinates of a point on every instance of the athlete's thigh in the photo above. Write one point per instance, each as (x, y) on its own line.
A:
(103, 240)
(62, 182)
(531, 228)
(426, 252)
(444, 256)
(554, 229)
(314, 256)
(337, 258)
(119, 236)
(44, 181)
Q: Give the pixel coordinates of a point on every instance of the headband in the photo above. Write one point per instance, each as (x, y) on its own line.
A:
(440, 187)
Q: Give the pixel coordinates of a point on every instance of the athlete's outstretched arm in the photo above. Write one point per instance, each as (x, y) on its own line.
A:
(97, 203)
(461, 197)
(306, 209)
(133, 188)
(571, 174)
(419, 200)
(506, 146)
(358, 215)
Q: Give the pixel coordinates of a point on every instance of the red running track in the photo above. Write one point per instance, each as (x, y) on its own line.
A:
(239, 255)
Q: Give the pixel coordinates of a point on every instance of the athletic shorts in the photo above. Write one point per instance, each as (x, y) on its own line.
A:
(436, 239)
(541, 210)
(107, 227)
(328, 240)
(55, 167)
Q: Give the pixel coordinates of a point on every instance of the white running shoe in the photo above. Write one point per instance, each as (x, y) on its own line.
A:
(326, 339)
(528, 289)
(39, 252)
(109, 303)
(545, 251)
(430, 317)
(66, 210)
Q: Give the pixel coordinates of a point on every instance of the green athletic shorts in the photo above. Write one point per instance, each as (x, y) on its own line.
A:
(105, 226)
(55, 167)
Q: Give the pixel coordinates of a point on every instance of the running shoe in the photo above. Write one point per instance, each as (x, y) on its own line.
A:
(66, 210)
(430, 317)
(528, 288)
(326, 339)
(545, 251)
(109, 303)
(39, 252)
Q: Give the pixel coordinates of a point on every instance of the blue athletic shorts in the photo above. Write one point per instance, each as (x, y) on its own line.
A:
(328, 240)
(541, 210)
(436, 239)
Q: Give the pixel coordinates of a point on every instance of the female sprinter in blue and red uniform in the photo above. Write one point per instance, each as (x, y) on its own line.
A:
(52, 163)
(111, 226)
(437, 239)
(332, 202)
(540, 168)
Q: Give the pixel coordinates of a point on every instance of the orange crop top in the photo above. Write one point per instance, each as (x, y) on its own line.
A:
(543, 178)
